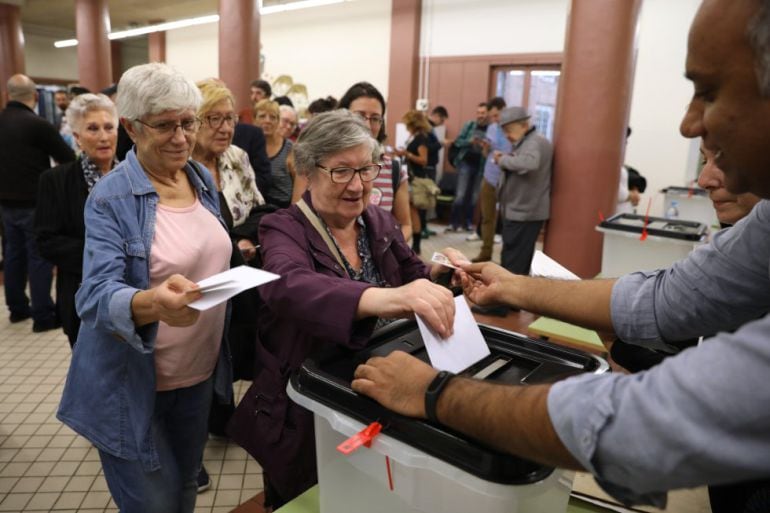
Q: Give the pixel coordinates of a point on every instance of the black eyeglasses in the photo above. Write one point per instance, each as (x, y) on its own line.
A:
(217, 120)
(345, 174)
(373, 119)
(189, 126)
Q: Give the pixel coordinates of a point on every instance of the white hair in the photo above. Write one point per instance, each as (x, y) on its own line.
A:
(85, 103)
(152, 88)
(287, 108)
(759, 38)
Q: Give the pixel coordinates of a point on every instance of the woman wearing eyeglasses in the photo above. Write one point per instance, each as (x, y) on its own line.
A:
(228, 165)
(345, 268)
(145, 364)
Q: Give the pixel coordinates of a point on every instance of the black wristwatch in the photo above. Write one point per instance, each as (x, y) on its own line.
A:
(434, 391)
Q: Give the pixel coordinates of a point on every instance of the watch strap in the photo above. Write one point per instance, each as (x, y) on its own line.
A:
(433, 392)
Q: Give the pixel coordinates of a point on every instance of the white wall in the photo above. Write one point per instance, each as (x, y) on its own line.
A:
(330, 48)
(194, 51)
(488, 27)
(661, 95)
(42, 59)
(326, 48)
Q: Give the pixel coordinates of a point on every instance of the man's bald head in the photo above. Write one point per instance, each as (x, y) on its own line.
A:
(21, 88)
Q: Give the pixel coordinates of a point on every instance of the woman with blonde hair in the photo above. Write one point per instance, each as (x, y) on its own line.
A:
(416, 156)
(267, 116)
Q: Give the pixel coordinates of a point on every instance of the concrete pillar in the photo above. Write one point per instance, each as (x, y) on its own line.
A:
(157, 46)
(239, 47)
(92, 21)
(594, 104)
(11, 46)
(404, 71)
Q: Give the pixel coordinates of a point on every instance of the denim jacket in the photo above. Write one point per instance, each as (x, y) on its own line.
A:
(109, 395)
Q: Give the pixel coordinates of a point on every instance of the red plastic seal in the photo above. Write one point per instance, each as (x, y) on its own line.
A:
(363, 437)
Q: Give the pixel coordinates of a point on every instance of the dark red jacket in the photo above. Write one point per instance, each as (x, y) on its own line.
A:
(313, 305)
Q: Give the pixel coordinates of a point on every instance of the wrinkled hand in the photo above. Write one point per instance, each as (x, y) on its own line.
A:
(398, 382)
(170, 300)
(248, 250)
(456, 258)
(484, 283)
(433, 303)
(496, 156)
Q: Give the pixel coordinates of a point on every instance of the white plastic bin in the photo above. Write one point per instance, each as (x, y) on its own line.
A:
(420, 482)
(693, 204)
(667, 241)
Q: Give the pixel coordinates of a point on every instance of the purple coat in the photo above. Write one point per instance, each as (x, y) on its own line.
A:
(312, 305)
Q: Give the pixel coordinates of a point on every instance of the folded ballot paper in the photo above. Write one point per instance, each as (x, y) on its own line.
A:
(463, 348)
(544, 266)
(221, 287)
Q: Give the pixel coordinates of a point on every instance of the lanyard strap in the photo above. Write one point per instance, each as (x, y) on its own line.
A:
(316, 222)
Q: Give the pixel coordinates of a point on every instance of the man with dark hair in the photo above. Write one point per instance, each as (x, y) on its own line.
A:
(468, 161)
(700, 417)
(260, 90)
(493, 140)
(438, 116)
(27, 143)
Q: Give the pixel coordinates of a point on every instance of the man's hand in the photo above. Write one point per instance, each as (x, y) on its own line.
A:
(398, 382)
(496, 156)
(170, 300)
(485, 283)
(456, 258)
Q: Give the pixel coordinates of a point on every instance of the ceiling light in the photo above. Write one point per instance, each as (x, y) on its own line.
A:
(213, 18)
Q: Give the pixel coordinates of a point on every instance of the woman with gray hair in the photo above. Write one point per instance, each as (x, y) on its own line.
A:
(344, 266)
(61, 199)
(145, 364)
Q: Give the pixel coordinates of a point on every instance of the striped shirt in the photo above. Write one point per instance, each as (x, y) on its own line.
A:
(382, 189)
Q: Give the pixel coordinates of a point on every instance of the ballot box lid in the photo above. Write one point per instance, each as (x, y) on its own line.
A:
(688, 192)
(657, 226)
(514, 359)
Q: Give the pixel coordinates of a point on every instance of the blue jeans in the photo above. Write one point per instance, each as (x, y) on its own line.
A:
(22, 261)
(179, 429)
(466, 195)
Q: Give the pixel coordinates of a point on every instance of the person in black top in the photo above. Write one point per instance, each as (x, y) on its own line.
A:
(418, 161)
(59, 226)
(27, 143)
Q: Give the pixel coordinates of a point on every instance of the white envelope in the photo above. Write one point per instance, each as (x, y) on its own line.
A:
(221, 287)
(465, 347)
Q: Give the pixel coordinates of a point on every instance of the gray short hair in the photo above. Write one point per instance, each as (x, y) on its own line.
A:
(759, 38)
(328, 134)
(153, 88)
(85, 103)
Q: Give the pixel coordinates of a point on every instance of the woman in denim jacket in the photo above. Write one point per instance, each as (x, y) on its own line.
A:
(145, 364)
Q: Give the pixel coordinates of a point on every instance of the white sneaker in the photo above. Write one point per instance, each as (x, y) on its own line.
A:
(498, 238)
(473, 237)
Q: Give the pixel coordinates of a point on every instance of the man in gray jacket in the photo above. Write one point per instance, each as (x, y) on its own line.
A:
(524, 192)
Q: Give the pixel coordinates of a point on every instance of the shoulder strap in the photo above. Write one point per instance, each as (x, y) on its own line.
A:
(313, 218)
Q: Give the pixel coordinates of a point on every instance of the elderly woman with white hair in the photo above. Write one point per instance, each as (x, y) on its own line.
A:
(345, 269)
(146, 364)
(62, 193)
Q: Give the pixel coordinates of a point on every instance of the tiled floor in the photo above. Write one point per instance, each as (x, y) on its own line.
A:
(45, 466)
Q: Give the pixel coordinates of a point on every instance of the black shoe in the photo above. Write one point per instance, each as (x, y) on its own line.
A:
(14, 318)
(41, 326)
(204, 481)
(497, 311)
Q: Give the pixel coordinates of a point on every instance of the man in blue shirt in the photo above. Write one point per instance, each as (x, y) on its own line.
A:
(701, 417)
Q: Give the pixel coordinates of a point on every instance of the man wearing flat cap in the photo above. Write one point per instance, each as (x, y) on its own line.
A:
(524, 192)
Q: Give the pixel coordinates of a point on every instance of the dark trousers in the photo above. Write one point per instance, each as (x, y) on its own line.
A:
(519, 238)
(22, 260)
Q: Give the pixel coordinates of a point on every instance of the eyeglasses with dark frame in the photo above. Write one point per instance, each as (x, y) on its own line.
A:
(344, 174)
(189, 126)
(373, 119)
(215, 121)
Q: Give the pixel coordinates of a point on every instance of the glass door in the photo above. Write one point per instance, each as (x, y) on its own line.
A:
(533, 87)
